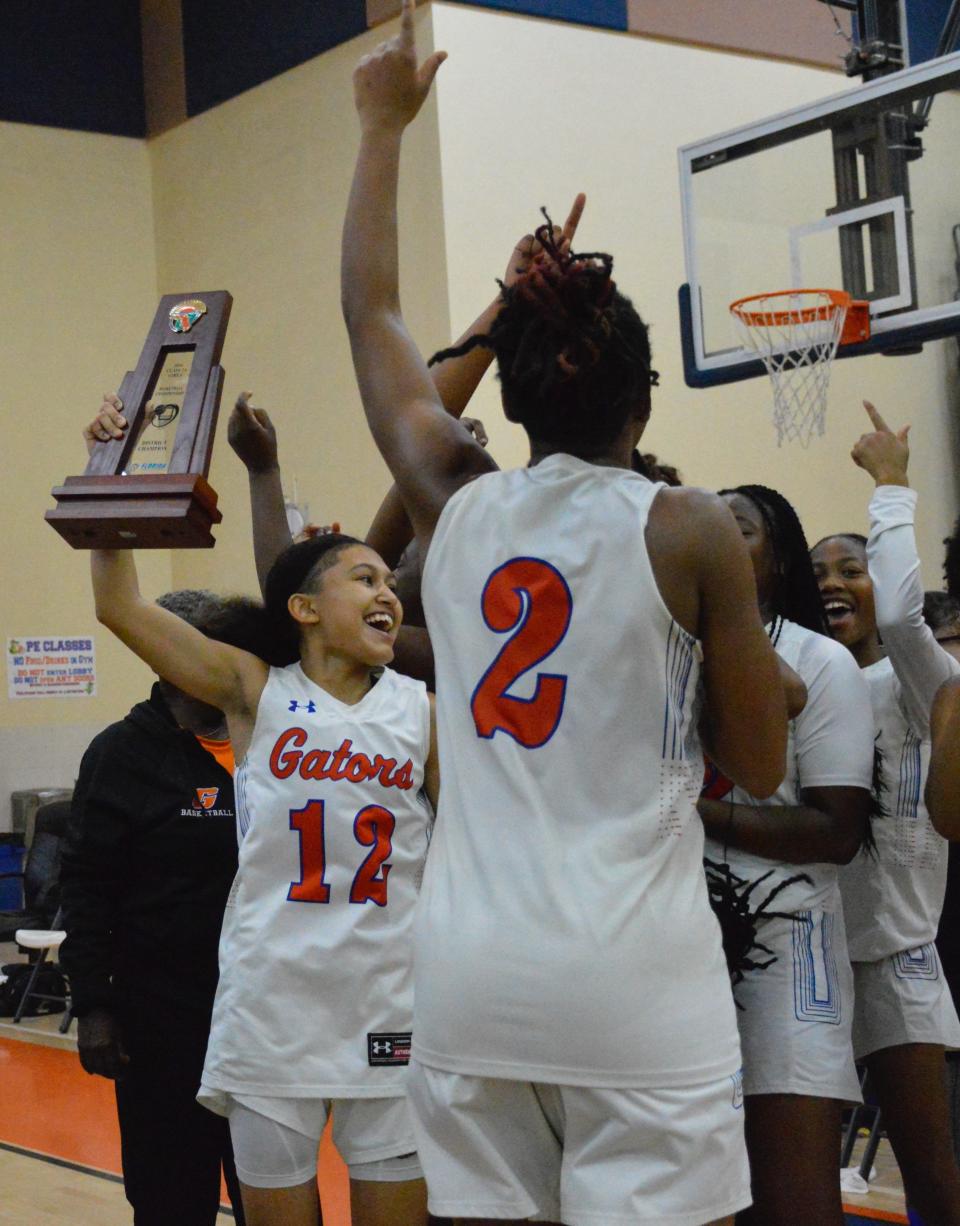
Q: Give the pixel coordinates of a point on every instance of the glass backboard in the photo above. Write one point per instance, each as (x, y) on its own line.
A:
(860, 192)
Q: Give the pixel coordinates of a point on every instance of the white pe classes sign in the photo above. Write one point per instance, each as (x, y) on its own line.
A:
(51, 666)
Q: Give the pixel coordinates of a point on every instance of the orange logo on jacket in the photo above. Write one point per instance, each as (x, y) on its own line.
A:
(207, 797)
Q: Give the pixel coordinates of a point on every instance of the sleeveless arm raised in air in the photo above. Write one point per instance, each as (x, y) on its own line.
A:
(214, 672)
(746, 715)
(429, 454)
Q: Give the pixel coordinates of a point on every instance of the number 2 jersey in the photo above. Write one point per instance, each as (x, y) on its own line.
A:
(315, 995)
(564, 933)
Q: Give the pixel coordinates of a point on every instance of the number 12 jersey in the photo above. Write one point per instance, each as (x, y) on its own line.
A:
(315, 993)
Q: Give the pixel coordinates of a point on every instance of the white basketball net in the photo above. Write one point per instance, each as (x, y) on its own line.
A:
(796, 336)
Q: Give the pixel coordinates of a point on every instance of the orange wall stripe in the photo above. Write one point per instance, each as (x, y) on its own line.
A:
(875, 1215)
(62, 1112)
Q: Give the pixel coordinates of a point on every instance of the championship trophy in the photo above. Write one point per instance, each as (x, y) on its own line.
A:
(148, 490)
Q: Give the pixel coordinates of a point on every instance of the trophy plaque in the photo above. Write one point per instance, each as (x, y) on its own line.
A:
(148, 490)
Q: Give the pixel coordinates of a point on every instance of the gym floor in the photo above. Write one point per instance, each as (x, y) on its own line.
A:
(59, 1142)
(60, 1148)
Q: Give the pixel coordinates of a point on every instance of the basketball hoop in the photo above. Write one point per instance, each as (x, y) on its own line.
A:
(795, 332)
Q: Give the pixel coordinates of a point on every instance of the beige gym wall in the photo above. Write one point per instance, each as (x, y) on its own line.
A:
(532, 111)
(78, 284)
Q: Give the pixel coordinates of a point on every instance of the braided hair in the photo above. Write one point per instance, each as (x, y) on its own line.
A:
(796, 595)
(297, 569)
(573, 355)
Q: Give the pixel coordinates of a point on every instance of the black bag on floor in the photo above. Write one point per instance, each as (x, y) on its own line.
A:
(50, 982)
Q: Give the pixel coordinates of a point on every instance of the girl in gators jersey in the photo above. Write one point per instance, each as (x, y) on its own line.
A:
(904, 1016)
(313, 1010)
(797, 1013)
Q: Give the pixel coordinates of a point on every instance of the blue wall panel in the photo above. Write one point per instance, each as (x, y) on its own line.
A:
(232, 45)
(612, 14)
(72, 64)
(925, 22)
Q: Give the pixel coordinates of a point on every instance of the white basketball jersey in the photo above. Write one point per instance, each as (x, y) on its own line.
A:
(564, 932)
(893, 896)
(315, 993)
(829, 744)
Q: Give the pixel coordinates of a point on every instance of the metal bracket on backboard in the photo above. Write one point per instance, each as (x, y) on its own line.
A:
(849, 217)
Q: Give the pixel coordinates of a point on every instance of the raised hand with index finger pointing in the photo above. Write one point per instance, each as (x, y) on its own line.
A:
(529, 248)
(388, 86)
(882, 453)
(573, 220)
(251, 434)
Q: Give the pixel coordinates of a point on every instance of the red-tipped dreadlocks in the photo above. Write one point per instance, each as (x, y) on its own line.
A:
(572, 353)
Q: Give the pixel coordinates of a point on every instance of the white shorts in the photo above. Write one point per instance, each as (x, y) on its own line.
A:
(493, 1148)
(796, 1018)
(903, 999)
(275, 1139)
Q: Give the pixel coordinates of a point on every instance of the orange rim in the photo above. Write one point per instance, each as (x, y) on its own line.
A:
(856, 321)
(839, 300)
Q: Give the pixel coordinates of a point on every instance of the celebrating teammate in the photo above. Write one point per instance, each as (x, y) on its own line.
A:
(904, 1016)
(797, 1012)
(313, 1008)
(575, 1047)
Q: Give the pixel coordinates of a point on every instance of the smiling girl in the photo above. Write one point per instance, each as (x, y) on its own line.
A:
(313, 1010)
(904, 1016)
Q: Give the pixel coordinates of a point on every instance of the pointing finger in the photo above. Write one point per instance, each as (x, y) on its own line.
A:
(407, 37)
(573, 218)
(878, 422)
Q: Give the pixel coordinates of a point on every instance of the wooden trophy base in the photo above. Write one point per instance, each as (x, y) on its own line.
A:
(164, 511)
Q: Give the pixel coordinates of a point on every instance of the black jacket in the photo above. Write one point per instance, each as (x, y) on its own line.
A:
(150, 856)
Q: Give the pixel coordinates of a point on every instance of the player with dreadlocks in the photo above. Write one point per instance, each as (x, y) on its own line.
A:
(904, 1016)
(574, 1033)
(797, 1061)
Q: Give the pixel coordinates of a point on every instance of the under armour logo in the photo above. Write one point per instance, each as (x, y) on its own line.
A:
(310, 707)
(389, 1049)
